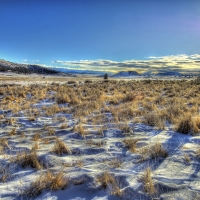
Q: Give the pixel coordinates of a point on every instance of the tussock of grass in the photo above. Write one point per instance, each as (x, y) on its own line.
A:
(36, 137)
(153, 119)
(47, 181)
(60, 148)
(157, 150)
(95, 143)
(188, 124)
(81, 130)
(106, 179)
(184, 125)
(115, 163)
(62, 98)
(3, 144)
(28, 159)
(130, 143)
(152, 151)
(126, 129)
(63, 126)
(13, 132)
(148, 182)
(51, 110)
(51, 131)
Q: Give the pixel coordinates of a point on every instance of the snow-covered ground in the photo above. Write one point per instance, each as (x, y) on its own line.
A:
(175, 175)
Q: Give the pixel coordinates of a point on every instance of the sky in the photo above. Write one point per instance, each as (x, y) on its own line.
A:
(102, 35)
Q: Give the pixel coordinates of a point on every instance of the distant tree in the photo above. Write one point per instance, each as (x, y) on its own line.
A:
(198, 80)
(105, 76)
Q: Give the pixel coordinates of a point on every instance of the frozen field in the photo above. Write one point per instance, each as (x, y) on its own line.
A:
(82, 139)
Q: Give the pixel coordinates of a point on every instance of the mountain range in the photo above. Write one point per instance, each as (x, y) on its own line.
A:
(38, 69)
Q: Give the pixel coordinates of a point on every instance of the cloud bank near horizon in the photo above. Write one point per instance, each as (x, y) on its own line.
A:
(180, 63)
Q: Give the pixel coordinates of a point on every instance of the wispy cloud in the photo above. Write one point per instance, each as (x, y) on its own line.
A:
(30, 61)
(179, 63)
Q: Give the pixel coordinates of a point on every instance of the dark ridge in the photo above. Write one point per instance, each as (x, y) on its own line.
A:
(6, 66)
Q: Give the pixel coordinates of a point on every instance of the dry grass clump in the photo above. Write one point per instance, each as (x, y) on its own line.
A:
(98, 119)
(125, 128)
(60, 148)
(175, 108)
(63, 126)
(5, 172)
(187, 158)
(105, 180)
(148, 182)
(133, 96)
(130, 143)
(124, 112)
(153, 151)
(95, 143)
(88, 81)
(115, 163)
(79, 180)
(47, 181)
(100, 130)
(32, 118)
(188, 124)
(13, 132)
(11, 121)
(51, 110)
(36, 137)
(81, 131)
(78, 163)
(51, 131)
(157, 150)
(184, 125)
(153, 119)
(46, 141)
(3, 144)
(71, 82)
(197, 153)
(62, 98)
(196, 125)
(74, 98)
(28, 159)
(35, 146)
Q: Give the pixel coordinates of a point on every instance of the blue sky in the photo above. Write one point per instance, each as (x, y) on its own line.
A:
(77, 33)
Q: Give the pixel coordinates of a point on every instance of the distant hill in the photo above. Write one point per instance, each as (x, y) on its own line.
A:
(168, 73)
(28, 68)
(126, 73)
(81, 72)
(162, 73)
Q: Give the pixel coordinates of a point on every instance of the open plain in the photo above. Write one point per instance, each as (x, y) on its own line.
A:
(89, 138)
